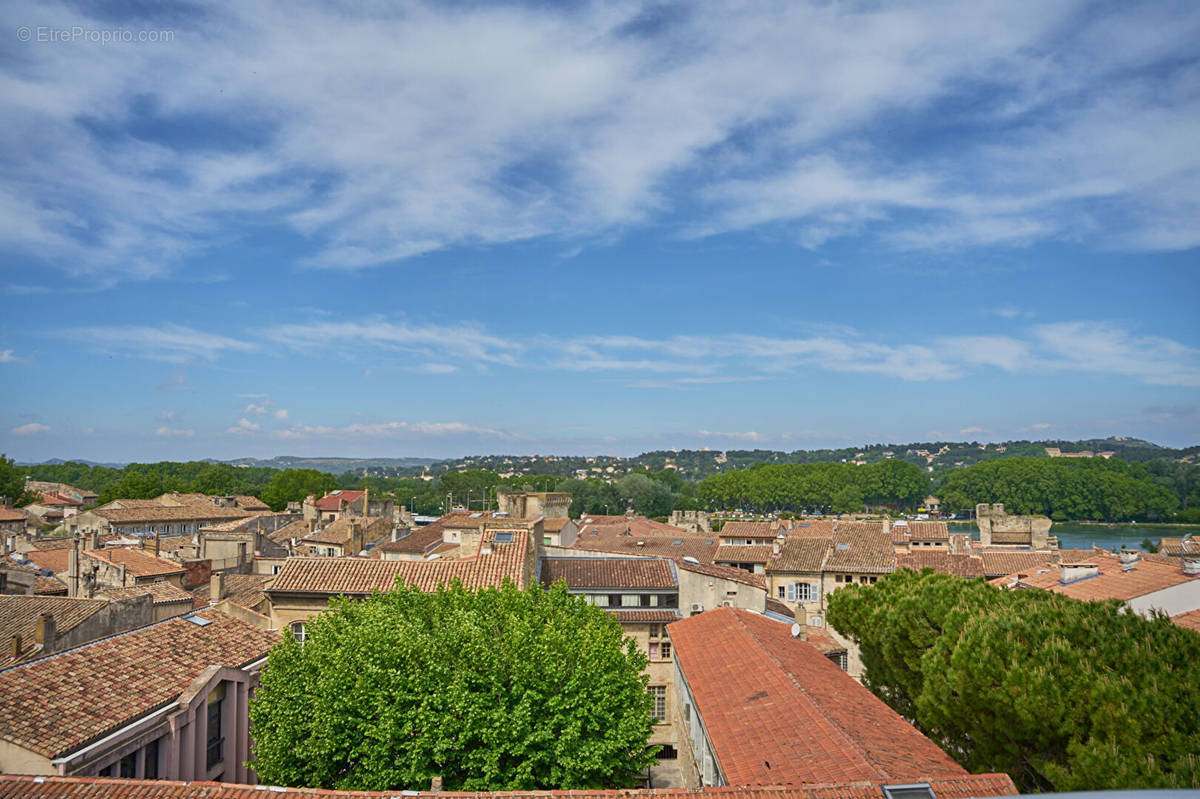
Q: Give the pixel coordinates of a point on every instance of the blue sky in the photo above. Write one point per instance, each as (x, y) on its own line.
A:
(441, 229)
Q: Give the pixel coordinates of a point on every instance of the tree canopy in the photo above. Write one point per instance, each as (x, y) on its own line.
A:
(816, 486)
(1062, 488)
(500, 689)
(12, 483)
(1061, 694)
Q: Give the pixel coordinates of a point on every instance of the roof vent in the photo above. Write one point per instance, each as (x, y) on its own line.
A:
(199, 622)
(434, 556)
(1074, 572)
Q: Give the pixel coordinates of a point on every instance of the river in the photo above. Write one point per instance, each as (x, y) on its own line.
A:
(1072, 535)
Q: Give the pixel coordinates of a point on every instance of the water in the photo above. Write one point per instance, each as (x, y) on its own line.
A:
(1083, 536)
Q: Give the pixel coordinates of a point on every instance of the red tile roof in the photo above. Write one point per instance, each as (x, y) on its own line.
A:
(13, 786)
(743, 667)
(364, 576)
(615, 573)
(740, 529)
(641, 536)
(332, 500)
(724, 572)
(56, 560)
(800, 555)
(419, 541)
(11, 514)
(136, 562)
(644, 616)
(861, 547)
(1191, 620)
(53, 706)
(943, 562)
(740, 553)
(19, 616)
(1113, 582)
(164, 593)
(808, 528)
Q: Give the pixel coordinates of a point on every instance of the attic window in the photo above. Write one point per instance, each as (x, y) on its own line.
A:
(503, 538)
(916, 790)
(843, 547)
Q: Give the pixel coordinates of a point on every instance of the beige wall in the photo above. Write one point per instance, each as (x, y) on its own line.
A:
(713, 592)
(17, 760)
(803, 610)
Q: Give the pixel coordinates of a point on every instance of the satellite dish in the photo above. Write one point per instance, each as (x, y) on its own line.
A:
(795, 630)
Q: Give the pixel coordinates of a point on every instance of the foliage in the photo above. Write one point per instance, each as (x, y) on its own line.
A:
(1061, 488)
(646, 495)
(12, 482)
(294, 485)
(815, 486)
(1061, 694)
(497, 690)
(591, 496)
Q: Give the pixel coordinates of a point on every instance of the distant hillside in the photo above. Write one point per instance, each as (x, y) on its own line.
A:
(60, 461)
(335, 465)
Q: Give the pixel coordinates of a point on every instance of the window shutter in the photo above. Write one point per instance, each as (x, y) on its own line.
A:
(791, 592)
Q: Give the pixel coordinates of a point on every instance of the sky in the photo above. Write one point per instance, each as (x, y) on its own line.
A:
(448, 228)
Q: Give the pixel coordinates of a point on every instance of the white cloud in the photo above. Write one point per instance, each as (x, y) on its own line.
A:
(281, 414)
(6, 356)
(451, 341)
(385, 429)
(256, 409)
(398, 133)
(174, 432)
(966, 431)
(749, 435)
(1104, 348)
(243, 427)
(33, 428)
(169, 342)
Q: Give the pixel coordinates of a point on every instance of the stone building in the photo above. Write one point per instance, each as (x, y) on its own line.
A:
(997, 527)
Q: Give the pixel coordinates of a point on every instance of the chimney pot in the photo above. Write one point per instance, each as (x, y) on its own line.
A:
(44, 633)
(435, 785)
(216, 587)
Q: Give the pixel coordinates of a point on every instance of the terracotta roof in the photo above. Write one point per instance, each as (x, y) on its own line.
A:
(622, 535)
(929, 531)
(11, 515)
(615, 573)
(645, 616)
(56, 560)
(250, 503)
(780, 608)
(1191, 620)
(154, 513)
(65, 541)
(297, 529)
(332, 500)
(52, 706)
(822, 641)
(732, 573)
(56, 500)
(363, 576)
(861, 547)
(19, 616)
(811, 528)
(341, 531)
(735, 553)
(136, 562)
(1146, 577)
(554, 524)
(243, 590)
(164, 593)
(14, 786)
(740, 529)
(742, 667)
(1179, 546)
(943, 562)
(419, 541)
(800, 555)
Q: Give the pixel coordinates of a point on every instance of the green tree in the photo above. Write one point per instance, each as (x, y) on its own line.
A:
(12, 483)
(293, 485)
(1061, 694)
(848, 499)
(501, 689)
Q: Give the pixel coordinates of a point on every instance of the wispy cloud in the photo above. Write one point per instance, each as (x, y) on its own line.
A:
(33, 428)
(450, 341)
(6, 356)
(585, 122)
(244, 427)
(386, 429)
(169, 342)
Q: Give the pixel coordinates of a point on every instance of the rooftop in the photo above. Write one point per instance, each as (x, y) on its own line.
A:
(800, 555)
(741, 553)
(1112, 582)
(19, 616)
(164, 593)
(52, 706)
(615, 573)
(14, 786)
(743, 667)
(333, 500)
(136, 562)
(861, 547)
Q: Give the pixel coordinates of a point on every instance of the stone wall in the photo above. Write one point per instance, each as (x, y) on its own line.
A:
(998, 527)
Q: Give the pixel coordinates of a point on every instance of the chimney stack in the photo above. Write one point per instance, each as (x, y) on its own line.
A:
(216, 587)
(45, 632)
(94, 540)
(73, 568)
(16, 646)
(435, 785)
(122, 575)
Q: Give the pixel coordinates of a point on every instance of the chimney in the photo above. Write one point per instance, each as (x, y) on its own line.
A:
(435, 785)
(94, 540)
(485, 548)
(122, 575)
(45, 632)
(777, 544)
(216, 587)
(16, 645)
(73, 568)
(1071, 572)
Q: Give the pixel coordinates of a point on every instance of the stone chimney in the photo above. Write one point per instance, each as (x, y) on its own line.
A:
(123, 575)
(94, 540)
(15, 646)
(1070, 572)
(777, 544)
(435, 785)
(73, 568)
(216, 587)
(45, 632)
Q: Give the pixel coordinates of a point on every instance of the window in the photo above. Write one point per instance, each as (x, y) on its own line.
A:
(127, 768)
(653, 650)
(655, 630)
(215, 741)
(297, 628)
(547, 540)
(783, 592)
(801, 592)
(659, 712)
(631, 601)
(920, 790)
(664, 650)
(107, 771)
(275, 569)
(150, 769)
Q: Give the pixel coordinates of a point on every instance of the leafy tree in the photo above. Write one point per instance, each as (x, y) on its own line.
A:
(591, 496)
(1061, 694)
(12, 483)
(647, 496)
(293, 485)
(501, 689)
(848, 499)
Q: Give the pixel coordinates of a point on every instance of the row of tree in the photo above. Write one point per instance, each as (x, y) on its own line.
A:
(1061, 694)
(837, 487)
(1062, 488)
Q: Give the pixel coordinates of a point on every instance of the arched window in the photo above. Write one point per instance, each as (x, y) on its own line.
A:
(297, 628)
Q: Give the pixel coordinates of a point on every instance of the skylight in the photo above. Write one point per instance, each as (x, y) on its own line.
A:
(917, 790)
(503, 538)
